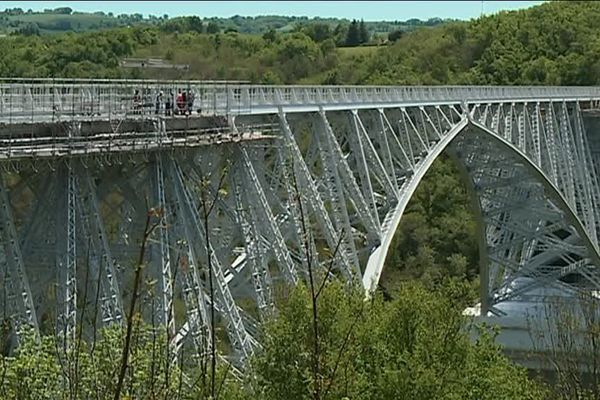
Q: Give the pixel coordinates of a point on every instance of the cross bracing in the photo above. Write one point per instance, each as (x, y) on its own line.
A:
(248, 180)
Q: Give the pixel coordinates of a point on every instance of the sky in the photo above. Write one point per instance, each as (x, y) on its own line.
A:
(367, 10)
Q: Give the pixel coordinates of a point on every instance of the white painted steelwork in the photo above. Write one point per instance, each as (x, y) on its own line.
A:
(293, 176)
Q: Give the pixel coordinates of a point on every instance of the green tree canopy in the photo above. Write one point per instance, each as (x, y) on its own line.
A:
(363, 33)
(353, 35)
(413, 347)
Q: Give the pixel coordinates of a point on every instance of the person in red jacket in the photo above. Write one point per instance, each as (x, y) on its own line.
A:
(180, 102)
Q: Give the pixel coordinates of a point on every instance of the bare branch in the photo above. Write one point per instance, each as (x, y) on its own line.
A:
(148, 229)
(342, 350)
(331, 263)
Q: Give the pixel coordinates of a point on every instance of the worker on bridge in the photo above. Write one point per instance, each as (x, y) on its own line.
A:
(158, 102)
(137, 102)
(190, 101)
(169, 103)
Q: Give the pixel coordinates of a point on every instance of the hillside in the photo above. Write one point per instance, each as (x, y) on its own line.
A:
(64, 19)
(556, 43)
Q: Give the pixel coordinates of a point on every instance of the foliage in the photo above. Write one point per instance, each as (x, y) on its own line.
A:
(363, 34)
(353, 35)
(40, 369)
(565, 333)
(436, 239)
(413, 347)
(318, 32)
(554, 43)
(64, 19)
(357, 33)
(395, 35)
(185, 24)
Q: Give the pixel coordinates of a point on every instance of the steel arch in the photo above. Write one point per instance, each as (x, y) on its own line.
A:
(376, 261)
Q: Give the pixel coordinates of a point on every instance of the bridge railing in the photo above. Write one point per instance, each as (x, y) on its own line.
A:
(44, 100)
(245, 97)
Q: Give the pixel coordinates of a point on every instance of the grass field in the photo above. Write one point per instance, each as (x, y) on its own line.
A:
(358, 51)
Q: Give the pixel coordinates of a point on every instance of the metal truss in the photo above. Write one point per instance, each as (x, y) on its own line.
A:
(17, 297)
(293, 178)
(162, 254)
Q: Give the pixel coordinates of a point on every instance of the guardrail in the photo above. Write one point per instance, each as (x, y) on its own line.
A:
(47, 100)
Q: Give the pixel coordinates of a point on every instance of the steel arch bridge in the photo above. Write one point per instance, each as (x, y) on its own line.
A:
(86, 163)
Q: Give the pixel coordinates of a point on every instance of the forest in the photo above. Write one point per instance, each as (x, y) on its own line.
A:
(406, 342)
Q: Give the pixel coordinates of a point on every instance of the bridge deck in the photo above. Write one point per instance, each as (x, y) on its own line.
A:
(39, 100)
(88, 137)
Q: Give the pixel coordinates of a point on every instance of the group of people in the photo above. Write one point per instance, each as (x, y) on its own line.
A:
(169, 104)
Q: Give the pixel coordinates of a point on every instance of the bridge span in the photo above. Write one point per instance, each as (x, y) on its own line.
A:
(86, 163)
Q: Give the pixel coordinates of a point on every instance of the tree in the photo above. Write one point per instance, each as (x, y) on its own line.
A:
(39, 370)
(208, 201)
(14, 11)
(195, 24)
(332, 78)
(270, 78)
(395, 35)
(63, 10)
(318, 32)
(270, 35)
(151, 224)
(30, 29)
(339, 34)
(298, 57)
(363, 33)
(566, 335)
(413, 347)
(353, 35)
(213, 27)
(435, 241)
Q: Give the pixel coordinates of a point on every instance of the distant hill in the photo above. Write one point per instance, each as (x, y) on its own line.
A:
(65, 19)
(264, 23)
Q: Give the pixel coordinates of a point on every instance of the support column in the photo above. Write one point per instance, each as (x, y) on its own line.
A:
(20, 302)
(238, 335)
(255, 257)
(66, 254)
(101, 256)
(162, 256)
